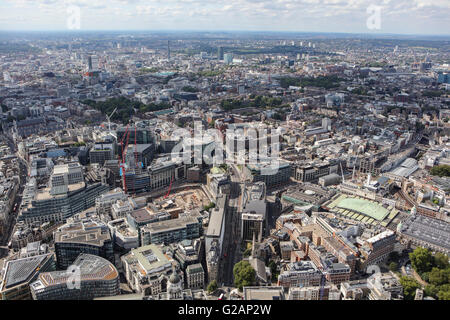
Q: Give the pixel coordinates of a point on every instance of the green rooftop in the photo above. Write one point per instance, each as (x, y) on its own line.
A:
(365, 207)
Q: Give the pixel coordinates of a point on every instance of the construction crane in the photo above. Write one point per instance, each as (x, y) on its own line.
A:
(109, 121)
(122, 159)
(170, 187)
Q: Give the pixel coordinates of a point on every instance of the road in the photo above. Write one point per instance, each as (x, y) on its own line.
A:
(232, 239)
(23, 172)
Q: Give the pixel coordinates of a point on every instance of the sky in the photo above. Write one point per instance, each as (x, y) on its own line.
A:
(348, 16)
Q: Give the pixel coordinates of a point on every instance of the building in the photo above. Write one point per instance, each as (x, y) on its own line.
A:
(103, 203)
(148, 269)
(384, 286)
(220, 53)
(18, 274)
(263, 293)
(97, 278)
(327, 292)
(187, 226)
(66, 196)
(273, 175)
(377, 248)
(228, 58)
(82, 235)
(195, 276)
(312, 171)
(124, 236)
(216, 227)
(421, 231)
(300, 274)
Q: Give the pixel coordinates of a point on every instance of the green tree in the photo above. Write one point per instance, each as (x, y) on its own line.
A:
(209, 206)
(444, 292)
(273, 269)
(441, 260)
(212, 286)
(431, 290)
(421, 260)
(410, 286)
(393, 266)
(244, 274)
(438, 276)
(441, 171)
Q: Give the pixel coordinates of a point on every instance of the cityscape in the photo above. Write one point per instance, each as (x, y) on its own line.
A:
(224, 165)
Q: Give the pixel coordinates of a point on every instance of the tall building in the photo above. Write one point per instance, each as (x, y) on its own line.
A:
(67, 195)
(220, 53)
(228, 58)
(168, 49)
(97, 278)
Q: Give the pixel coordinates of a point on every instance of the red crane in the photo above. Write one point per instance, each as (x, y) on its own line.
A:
(124, 153)
(170, 187)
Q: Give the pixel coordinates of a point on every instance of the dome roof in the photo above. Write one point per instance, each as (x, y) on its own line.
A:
(174, 278)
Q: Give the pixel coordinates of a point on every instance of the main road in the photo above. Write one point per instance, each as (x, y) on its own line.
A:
(232, 240)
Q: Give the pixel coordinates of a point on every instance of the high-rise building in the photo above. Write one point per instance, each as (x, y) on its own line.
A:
(228, 58)
(220, 53)
(168, 49)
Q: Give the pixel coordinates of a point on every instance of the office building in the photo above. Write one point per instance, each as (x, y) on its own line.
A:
(187, 226)
(148, 269)
(98, 277)
(18, 274)
(82, 235)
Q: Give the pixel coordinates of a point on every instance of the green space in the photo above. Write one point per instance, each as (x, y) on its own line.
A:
(125, 107)
(326, 82)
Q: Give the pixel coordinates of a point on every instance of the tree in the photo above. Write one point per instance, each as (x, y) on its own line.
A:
(431, 290)
(441, 171)
(410, 286)
(212, 286)
(438, 276)
(244, 274)
(441, 260)
(421, 260)
(209, 206)
(444, 292)
(273, 269)
(393, 266)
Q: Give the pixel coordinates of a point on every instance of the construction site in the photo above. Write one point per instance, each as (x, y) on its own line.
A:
(187, 198)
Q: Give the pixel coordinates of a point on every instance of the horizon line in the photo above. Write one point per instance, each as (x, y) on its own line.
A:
(223, 31)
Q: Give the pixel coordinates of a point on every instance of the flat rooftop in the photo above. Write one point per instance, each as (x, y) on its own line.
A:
(365, 207)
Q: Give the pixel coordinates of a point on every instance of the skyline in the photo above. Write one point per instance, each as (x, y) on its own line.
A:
(418, 17)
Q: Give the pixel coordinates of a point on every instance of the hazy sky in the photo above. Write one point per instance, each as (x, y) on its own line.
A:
(396, 16)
